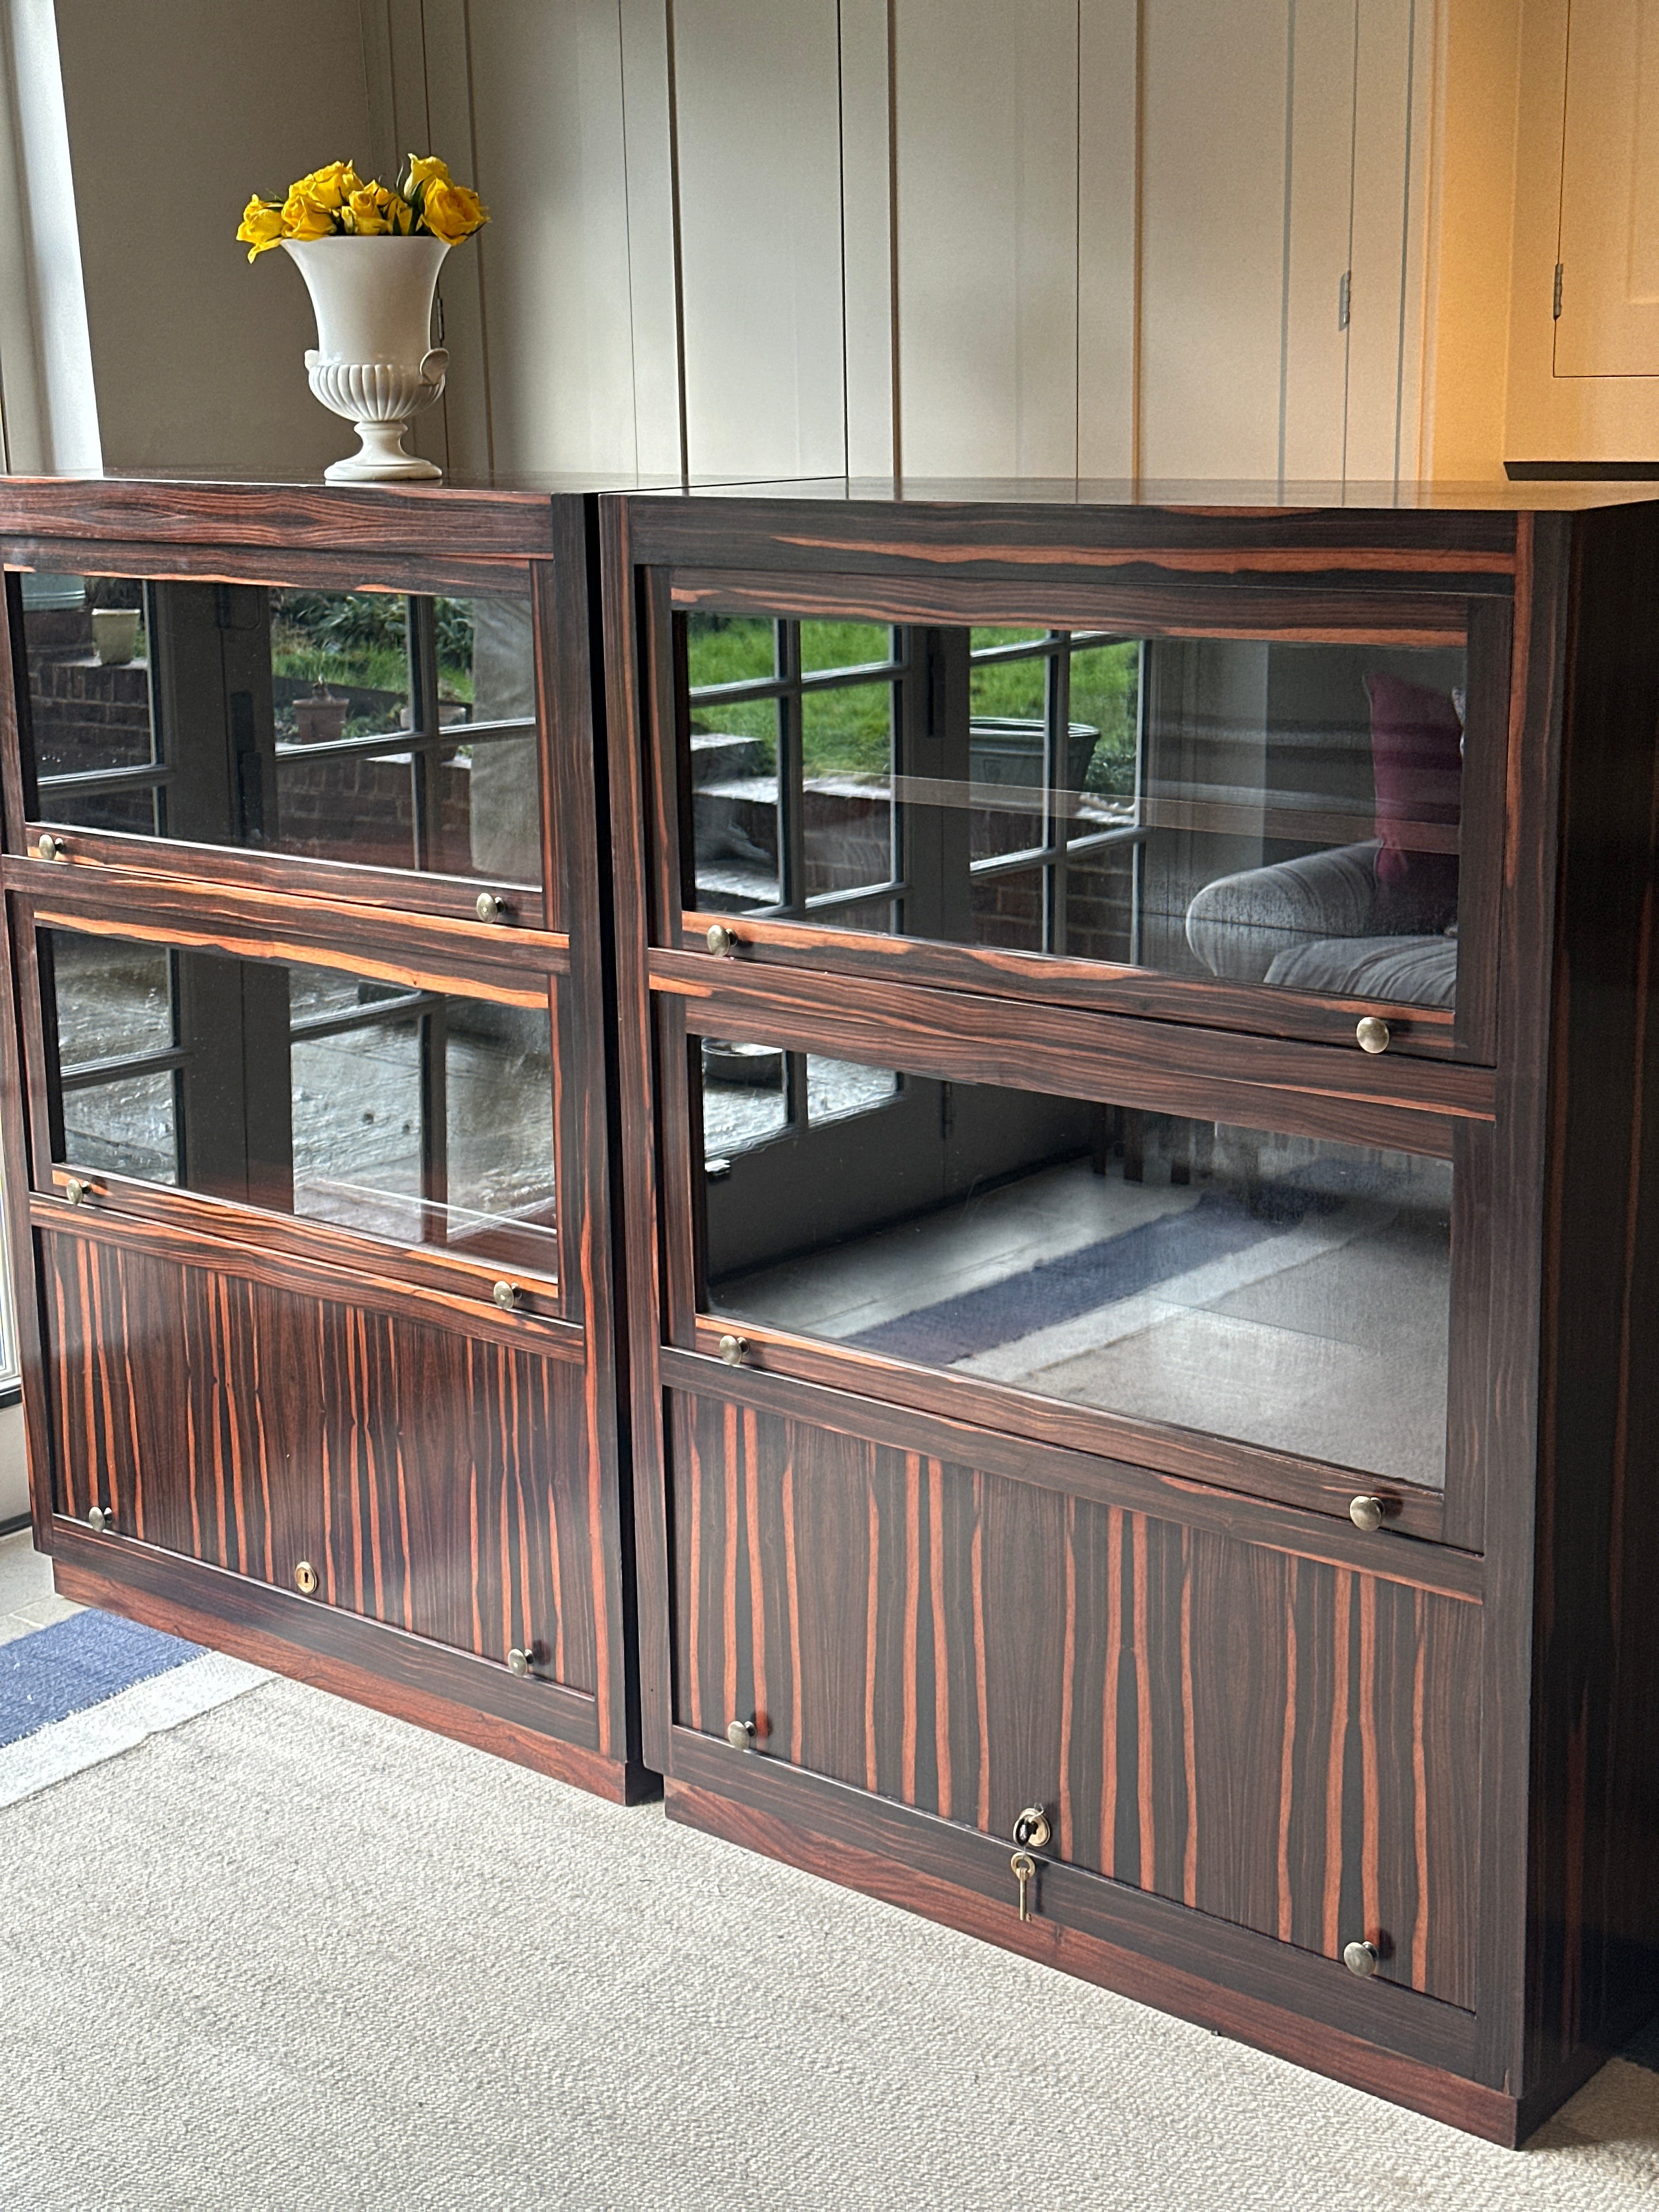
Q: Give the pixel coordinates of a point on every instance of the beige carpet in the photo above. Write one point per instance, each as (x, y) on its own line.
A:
(295, 1955)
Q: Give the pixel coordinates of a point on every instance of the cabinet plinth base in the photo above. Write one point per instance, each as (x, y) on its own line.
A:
(183, 1598)
(1402, 2081)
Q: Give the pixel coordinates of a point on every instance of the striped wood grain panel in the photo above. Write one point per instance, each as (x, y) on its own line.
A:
(1281, 1744)
(436, 1483)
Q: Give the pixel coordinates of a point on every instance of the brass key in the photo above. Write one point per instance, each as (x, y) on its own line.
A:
(1024, 1867)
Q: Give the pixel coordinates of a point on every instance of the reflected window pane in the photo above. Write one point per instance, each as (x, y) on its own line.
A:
(339, 665)
(113, 998)
(124, 1127)
(1271, 1289)
(734, 806)
(844, 645)
(745, 1096)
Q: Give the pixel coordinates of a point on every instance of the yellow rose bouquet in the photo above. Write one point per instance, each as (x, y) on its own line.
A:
(426, 202)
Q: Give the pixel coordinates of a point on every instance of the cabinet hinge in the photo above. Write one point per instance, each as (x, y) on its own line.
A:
(1344, 297)
(1557, 309)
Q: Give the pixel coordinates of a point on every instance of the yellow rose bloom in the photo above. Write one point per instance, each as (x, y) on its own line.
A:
(425, 169)
(368, 212)
(452, 212)
(261, 227)
(304, 217)
(330, 187)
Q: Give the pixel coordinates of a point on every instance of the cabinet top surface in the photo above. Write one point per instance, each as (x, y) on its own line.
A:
(24, 499)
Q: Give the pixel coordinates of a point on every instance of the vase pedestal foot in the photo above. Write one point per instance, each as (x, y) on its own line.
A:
(381, 458)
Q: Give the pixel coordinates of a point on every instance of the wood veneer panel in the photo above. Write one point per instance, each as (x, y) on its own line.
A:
(409, 518)
(435, 1482)
(475, 958)
(1285, 1745)
(773, 1814)
(1068, 1447)
(1208, 1074)
(1593, 1904)
(1042, 977)
(965, 538)
(1130, 599)
(140, 861)
(457, 571)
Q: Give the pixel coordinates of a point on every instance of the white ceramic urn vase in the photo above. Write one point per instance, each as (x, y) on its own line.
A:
(374, 361)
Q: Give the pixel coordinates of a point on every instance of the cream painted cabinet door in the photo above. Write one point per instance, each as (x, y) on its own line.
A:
(1608, 324)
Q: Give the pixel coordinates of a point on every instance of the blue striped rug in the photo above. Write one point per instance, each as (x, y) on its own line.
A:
(94, 1685)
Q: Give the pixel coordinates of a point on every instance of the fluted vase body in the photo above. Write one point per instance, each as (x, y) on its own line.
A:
(374, 361)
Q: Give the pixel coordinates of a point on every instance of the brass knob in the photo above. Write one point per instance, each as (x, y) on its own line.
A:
(740, 1735)
(489, 908)
(722, 939)
(74, 1190)
(1368, 1513)
(102, 1520)
(519, 1662)
(1361, 1958)
(51, 848)
(305, 1579)
(1371, 1035)
(506, 1296)
(734, 1350)
(1031, 1830)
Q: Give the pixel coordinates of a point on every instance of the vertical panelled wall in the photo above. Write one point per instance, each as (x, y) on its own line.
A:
(950, 237)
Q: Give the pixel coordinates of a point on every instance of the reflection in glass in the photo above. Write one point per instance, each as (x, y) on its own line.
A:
(399, 1113)
(1276, 814)
(377, 728)
(1285, 1292)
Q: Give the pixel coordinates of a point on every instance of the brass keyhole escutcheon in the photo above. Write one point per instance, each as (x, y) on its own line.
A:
(1372, 1033)
(521, 1661)
(1031, 1830)
(305, 1579)
(721, 940)
(1361, 1958)
(740, 1735)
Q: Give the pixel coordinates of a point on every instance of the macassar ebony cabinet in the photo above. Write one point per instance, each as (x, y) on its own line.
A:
(1137, 1112)
(305, 1148)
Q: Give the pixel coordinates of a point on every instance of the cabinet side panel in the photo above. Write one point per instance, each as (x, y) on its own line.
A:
(1594, 1907)
(1283, 1744)
(435, 1482)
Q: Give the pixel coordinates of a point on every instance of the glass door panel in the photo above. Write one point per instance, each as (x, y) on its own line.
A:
(1287, 1292)
(1282, 814)
(387, 730)
(416, 1116)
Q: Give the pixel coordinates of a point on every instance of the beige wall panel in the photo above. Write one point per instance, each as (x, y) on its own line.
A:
(547, 103)
(866, 205)
(1383, 154)
(1315, 391)
(652, 292)
(1107, 63)
(1469, 234)
(462, 417)
(1213, 168)
(198, 358)
(988, 182)
(759, 137)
